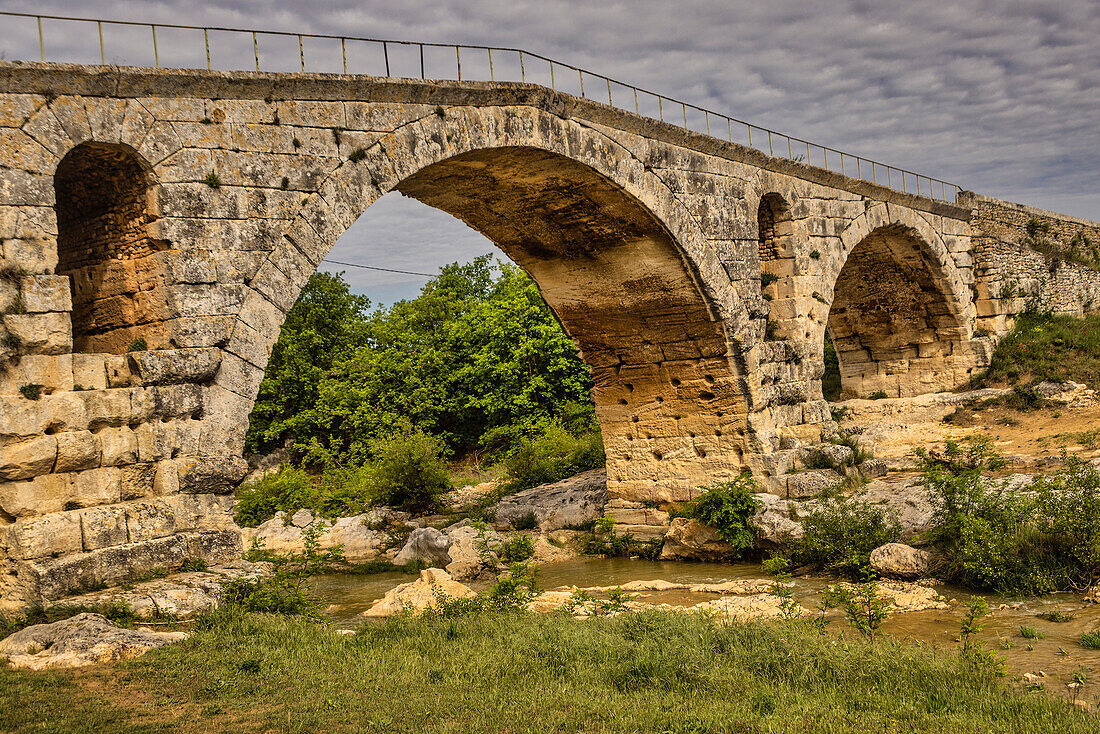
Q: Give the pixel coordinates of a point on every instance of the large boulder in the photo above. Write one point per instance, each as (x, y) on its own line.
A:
(85, 639)
(357, 534)
(433, 585)
(571, 502)
(469, 561)
(690, 540)
(426, 545)
(900, 561)
(772, 520)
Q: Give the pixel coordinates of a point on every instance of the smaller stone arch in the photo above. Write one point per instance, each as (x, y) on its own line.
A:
(896, 322)
(104, 205)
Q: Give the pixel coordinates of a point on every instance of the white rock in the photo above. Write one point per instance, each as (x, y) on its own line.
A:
(416, 596)
(427, 545)
(85, 639)
(900, 561)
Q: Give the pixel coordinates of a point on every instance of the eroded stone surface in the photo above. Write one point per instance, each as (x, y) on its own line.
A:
(85, 639)
(433, 585)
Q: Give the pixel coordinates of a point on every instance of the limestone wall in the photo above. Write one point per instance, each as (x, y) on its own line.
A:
(1013, 276)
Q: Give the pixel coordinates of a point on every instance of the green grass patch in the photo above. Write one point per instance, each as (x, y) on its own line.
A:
(1046, 347)
(517, 672)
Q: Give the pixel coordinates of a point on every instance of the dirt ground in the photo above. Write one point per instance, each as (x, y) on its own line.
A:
(898, 427)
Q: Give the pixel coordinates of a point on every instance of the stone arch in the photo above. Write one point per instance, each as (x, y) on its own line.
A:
(104, 205)
(625, 269)
(895, 319)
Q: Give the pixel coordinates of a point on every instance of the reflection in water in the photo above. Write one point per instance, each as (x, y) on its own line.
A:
(1058, 654)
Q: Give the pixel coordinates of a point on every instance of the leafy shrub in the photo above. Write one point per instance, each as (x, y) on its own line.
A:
(138, 345)
(604, 541)
(516, 549)
(840, 536)
(285, 590)
(727, 507)
(1033, 542)
(1030, 633)
(287, 490)
(552, 455)
(409, 471)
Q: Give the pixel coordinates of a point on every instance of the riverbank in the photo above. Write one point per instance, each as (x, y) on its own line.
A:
(641, 672)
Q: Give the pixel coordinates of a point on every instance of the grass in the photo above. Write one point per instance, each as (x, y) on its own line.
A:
(517, 672)
(1046, 347)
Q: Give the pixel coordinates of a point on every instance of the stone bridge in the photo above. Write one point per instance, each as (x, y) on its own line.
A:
(157, 226)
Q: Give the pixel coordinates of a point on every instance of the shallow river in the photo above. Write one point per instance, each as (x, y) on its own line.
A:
(1058, 654)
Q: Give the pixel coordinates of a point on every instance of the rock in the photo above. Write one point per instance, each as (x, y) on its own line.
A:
(550, 601)
(652, 585)
(571, 502)
(747, 608)
(900, 561)
(737, 587)
(1092, 595)
(427, 545)
(85, 639)
(873, 468)
(906, 499)
(836, 454)
(181, 595)
(301, 519)
(772, 520)
(908, 597)
(354, 533)
(468, 562)
(416, 596)
(811, 483)
(689, 540)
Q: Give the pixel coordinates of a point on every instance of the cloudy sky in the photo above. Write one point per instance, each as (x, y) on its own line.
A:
(1000, 97)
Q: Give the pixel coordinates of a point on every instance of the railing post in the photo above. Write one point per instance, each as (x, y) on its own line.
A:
(102, 53)
(636, 112)
(256, 50)
(750, 134)
(609, 102)
(706, 116)
(771, 150)
(344, 54)
(552, 86)
(458, 60)
(684, 105)
(422, 75)
(729, 128)
(302, 52)
(581, 75)
(156, 53)
(206, 42)
(660, 109)
(386, 56)
(41, 40)
(522, 73)
(492, 77)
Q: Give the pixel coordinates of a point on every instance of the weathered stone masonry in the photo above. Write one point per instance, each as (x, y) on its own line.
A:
(188, 209)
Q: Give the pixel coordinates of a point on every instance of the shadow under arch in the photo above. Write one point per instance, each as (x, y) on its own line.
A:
(104, 207)
(896, 324)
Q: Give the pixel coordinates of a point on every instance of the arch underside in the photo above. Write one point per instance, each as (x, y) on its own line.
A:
(893, 321)
(671, 410)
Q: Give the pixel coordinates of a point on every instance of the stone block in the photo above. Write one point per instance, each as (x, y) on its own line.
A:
(167, 479)
(103, 527)
(118, 370)
(172, 366)
(45, 293)
(106, 407)
(119, 446)
(41, 333)
(811, 483)
(27, 459)
(96, 486)
(77, 450)
(55, 534)
(136, 481)
(152, 519)
(89, 371)
(213, 475)
(38, 496)
(156, 441)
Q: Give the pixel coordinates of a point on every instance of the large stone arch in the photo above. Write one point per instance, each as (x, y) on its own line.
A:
(899, 312)
(625, 268)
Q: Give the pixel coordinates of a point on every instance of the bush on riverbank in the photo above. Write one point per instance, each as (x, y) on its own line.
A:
(551, 455)
(649, 671)
(840, 536)
(727, 507)
(1030, 541)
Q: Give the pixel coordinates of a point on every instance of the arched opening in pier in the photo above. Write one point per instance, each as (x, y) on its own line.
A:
(103, 246)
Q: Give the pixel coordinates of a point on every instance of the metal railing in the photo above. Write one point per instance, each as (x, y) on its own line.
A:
(534, 68)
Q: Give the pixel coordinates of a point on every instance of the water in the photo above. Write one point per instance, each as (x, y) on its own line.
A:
(1058, 654)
